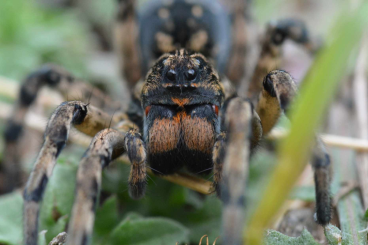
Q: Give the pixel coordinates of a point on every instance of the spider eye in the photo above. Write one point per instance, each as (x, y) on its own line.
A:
(171, 75)
(191, 74)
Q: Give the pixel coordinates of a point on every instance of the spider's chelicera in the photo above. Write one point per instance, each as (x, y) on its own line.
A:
(185, 113)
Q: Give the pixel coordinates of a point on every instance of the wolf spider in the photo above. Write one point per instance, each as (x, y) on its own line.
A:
(185, 113)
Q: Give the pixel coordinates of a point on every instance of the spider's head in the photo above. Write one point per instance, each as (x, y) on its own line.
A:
(180, 78)
(181, 99)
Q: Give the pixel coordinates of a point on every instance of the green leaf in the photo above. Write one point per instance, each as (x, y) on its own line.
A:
(132, 216)
(58, 200)
(57, 228)
(11, 211)
(204, 221)
(277, 238)
(335, 237)
(149, 231)
(305, 193)
(40, 35)
(106, 217)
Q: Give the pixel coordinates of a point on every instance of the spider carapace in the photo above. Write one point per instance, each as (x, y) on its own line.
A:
(185, 113)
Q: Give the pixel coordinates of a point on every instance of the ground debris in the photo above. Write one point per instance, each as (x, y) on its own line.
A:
(60, 239)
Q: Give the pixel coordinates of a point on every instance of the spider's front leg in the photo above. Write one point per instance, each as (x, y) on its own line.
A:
(85, 118)
(231, 156)
(54, 77)
(105, 147)
(277, 95)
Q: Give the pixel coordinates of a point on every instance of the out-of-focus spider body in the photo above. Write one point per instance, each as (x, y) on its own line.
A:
(202, 26)
(187, 112)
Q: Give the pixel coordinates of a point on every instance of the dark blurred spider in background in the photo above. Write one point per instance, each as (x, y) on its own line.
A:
(200, 100)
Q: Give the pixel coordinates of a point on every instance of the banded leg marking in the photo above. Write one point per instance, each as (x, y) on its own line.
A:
(107, 145)
(277, 94)
(238, 121)
(219, 151)
(321, 164)
(279, 90)
(59, 79)
(127, 45)
(270, 56)
(55, 138)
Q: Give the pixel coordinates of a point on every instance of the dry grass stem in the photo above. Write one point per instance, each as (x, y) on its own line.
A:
(361, 106)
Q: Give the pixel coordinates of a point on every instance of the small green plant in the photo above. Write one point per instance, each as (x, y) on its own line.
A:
(31, 34)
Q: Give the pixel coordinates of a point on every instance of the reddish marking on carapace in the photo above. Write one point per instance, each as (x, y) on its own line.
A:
(181, 102)
(167, 85)
(148, 108)
(180, 115)
(215, 109)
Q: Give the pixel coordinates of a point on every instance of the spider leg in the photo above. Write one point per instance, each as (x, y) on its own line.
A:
(105, 147)
(240, 18)
(127, 45)
(278, 92)
(234, 152)
(55, 77)
(88, 120)
(271, 49)
(321, 164)
(219, 149)
(218, 157)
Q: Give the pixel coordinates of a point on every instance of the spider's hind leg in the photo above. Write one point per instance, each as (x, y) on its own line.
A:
(271, 49)
(126, 33)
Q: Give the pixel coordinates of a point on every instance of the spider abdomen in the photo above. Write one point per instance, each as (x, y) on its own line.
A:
(180, 136)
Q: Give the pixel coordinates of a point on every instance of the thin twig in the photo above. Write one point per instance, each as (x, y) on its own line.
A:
(361, 107)
(358, 145)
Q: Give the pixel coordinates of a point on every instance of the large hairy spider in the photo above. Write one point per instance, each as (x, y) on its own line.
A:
(185, 113)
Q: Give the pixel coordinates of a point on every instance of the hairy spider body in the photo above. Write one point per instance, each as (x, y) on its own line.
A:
(185, 113)
(181, 99)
